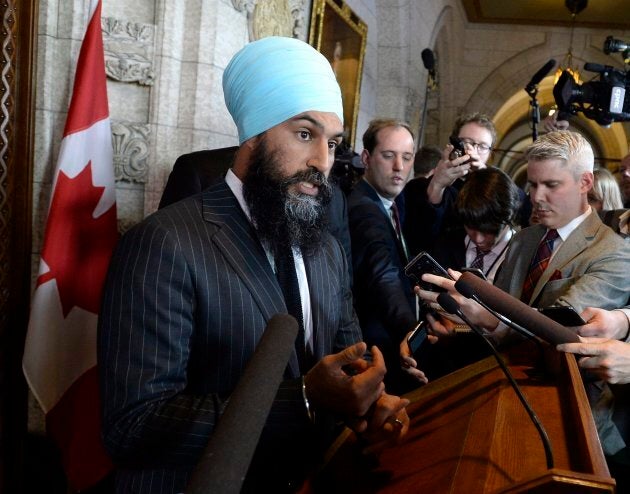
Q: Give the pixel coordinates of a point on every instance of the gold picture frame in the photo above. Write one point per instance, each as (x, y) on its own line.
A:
(341, 36)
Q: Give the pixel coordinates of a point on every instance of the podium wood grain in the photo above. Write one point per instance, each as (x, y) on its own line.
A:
(470, 434)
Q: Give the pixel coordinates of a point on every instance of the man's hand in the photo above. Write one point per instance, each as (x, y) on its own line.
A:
(446, 172)
(345, 383)
(408, 363)
(608, 359)
(612, 324)
(473, 311)
(551, 123)
(385, 423)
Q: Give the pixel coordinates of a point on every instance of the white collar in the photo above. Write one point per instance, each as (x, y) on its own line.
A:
(567, 229)
(236, 186)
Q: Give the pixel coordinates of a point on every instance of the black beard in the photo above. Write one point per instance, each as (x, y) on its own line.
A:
(284, 219)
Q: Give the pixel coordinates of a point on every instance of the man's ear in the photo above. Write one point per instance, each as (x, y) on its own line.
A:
(586, 181)
(251, 143)
(243, 157)
(365, 158)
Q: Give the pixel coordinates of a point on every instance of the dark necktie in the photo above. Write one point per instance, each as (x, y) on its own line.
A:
(396, 219)
(538, 265)
(478, 260)
(287, 278)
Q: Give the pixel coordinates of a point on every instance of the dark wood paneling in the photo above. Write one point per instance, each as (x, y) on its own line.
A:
(17, 61)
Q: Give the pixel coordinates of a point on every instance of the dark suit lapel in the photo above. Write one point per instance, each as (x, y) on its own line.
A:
(241, 248)
(237, 239)
(314, 265)
(370, 193)
(458, 248)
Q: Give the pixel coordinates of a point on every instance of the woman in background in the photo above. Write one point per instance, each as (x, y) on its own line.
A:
(605, 194)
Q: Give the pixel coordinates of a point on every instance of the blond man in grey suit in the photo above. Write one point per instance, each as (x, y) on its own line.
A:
(588, 266)
(191, 289)
(589, 262)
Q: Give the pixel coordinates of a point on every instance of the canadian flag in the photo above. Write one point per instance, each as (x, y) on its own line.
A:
(60, 352)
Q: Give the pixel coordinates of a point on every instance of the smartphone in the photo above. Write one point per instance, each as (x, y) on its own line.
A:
(475, 271)
(458, 148)
(424, 263)
(417, 337)
(563, 314)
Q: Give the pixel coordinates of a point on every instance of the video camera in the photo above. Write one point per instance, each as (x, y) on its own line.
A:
(606, 100)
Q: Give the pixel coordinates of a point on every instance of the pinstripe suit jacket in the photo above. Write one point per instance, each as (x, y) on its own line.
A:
(187, 298)
(591, 267)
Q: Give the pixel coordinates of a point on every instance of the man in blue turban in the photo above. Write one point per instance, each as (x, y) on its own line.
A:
(191, 290)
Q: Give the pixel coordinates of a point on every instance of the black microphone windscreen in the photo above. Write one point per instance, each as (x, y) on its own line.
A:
(595, 67)
(465, 289)
(542, 72)
(428, 59)
(448, 303)
(226, 459)
(515, 310)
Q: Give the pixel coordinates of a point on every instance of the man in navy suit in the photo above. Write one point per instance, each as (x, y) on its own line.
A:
(384, 298)
(191, 289)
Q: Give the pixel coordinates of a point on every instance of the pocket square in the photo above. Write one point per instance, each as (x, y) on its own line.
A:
(557, 275)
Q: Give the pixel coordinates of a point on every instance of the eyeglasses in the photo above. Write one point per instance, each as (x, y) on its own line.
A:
(481, 147)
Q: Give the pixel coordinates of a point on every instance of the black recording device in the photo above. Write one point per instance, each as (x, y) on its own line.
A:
(606, 100)
(563, 314)
(421, 264)
(458, 148)
(417, 337)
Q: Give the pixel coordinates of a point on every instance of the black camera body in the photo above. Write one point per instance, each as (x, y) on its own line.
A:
(606, 100)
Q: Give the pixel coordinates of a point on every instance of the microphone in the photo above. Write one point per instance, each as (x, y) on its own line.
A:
(515, 310)
(466, 291)
(540, 75)
(450, 305)
(597, 67)
(428, 59)
(224, 463)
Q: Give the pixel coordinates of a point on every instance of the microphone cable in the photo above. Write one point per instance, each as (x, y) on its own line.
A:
(466, 290)
(450, 305)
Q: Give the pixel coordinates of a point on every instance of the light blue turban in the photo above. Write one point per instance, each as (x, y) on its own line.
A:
(274, 79)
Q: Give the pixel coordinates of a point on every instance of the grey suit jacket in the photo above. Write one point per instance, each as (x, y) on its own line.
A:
(589, 269)
(187, 298)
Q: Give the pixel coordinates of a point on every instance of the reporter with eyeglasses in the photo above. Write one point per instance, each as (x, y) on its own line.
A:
(427, 201)
(477, 133)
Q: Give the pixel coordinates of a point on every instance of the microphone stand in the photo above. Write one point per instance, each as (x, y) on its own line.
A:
(449, 304)
(427, 89)
(535, 112)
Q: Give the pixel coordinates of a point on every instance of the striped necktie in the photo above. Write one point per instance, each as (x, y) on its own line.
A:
(538, 265)
(478, 260)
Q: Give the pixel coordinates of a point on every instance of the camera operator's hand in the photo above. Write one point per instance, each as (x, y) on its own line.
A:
(552, 123)
(446, 172)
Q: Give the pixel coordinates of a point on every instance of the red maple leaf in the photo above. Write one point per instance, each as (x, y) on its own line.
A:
(77, 246)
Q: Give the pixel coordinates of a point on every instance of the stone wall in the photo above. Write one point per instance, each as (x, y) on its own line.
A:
(165, 60)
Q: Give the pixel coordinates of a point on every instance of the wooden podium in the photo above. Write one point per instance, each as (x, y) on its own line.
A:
(470, 434)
